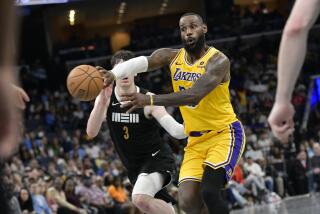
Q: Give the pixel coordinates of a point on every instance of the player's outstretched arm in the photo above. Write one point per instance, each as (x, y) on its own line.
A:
(99, 111)
(291, 56)
(217, 68)
(217, 71)
(293, 46)
(158, 59)
(167, 122)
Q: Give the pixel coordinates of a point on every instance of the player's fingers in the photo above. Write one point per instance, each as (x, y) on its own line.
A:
(284, 137)
(280, 128)
(291, 123)
(111, 85)
(99, 68)
(25, 96)
(126, 98)
(127, 95)
(21, 104)
(131, 109)
(107, 82)
(126, 105)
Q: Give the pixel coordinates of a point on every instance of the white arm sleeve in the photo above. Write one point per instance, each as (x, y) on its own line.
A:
(131, 67)
(174, 128)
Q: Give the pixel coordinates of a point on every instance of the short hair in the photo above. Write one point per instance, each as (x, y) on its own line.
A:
(121, 55)
(193, 14)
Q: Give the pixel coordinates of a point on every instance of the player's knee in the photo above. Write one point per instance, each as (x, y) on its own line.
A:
(210, 194)
(141, 202)
(212, 184)
(187, 202)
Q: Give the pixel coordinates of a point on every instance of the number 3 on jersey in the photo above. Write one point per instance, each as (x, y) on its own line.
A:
(126, 133)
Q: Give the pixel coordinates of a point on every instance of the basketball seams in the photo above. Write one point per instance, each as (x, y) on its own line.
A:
(88, 75)
(88, 88)
(96, 84)
(92, 77)
(79, 85)
(76, 76)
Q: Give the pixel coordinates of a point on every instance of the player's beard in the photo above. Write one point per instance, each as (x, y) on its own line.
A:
(195, 47)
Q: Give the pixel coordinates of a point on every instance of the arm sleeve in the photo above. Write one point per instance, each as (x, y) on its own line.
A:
(174, 128)
(131, 67)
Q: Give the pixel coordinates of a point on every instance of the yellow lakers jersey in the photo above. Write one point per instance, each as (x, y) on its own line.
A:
(214, 111)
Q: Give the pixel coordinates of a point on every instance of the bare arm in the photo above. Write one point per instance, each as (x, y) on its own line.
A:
(293, 46)
(160, 58)
(99, 111)
(217, 71)
(174, 128)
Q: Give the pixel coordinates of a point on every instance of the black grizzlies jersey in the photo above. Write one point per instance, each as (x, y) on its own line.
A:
(134, 136)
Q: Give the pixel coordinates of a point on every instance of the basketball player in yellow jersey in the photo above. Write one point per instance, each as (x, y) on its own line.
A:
(200, 78)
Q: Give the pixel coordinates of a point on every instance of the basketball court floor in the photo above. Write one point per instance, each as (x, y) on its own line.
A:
(294, 205)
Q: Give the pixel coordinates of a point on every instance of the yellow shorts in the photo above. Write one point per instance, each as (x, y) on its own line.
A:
(214, 149)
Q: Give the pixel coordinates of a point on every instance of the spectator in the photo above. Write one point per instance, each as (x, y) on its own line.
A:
(236, 185)
(69, 189)
(40, 204)
(93, 197)
(25, 201)
(57, 199)
(120, 195)
(254, 181)
(315, 165)
(299, 174)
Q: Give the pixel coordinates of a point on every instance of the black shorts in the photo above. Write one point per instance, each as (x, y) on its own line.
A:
(160, 160)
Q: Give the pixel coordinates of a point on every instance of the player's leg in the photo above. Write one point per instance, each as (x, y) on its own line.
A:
(191, 171)
(190, 199)
(213, 183)
(221, 160)
(144, 190)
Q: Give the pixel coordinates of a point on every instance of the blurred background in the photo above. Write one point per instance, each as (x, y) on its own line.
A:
(57, 35)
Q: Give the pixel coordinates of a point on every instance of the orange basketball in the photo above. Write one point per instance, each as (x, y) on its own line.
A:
(84, 82)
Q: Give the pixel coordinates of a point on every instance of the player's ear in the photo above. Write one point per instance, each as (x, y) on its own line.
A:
(204, 28)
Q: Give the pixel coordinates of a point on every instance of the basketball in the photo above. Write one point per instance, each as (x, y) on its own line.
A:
(84, 82)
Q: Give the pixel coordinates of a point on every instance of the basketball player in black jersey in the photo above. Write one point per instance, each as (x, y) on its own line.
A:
(136, 138)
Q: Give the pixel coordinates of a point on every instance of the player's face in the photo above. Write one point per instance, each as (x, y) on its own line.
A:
(192, 31)
(125, 82)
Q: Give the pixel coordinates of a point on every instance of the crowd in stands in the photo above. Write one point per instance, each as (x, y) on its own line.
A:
(237, 22)
(144, 36)
(58, 169)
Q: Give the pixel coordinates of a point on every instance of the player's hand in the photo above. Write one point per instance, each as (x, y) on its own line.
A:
(281, 120)
(108, 76)
(106, 93)
(21, 97)
(134, 101)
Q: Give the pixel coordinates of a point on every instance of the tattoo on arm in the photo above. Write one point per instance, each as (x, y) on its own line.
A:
(217, 71)
(161, 57)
